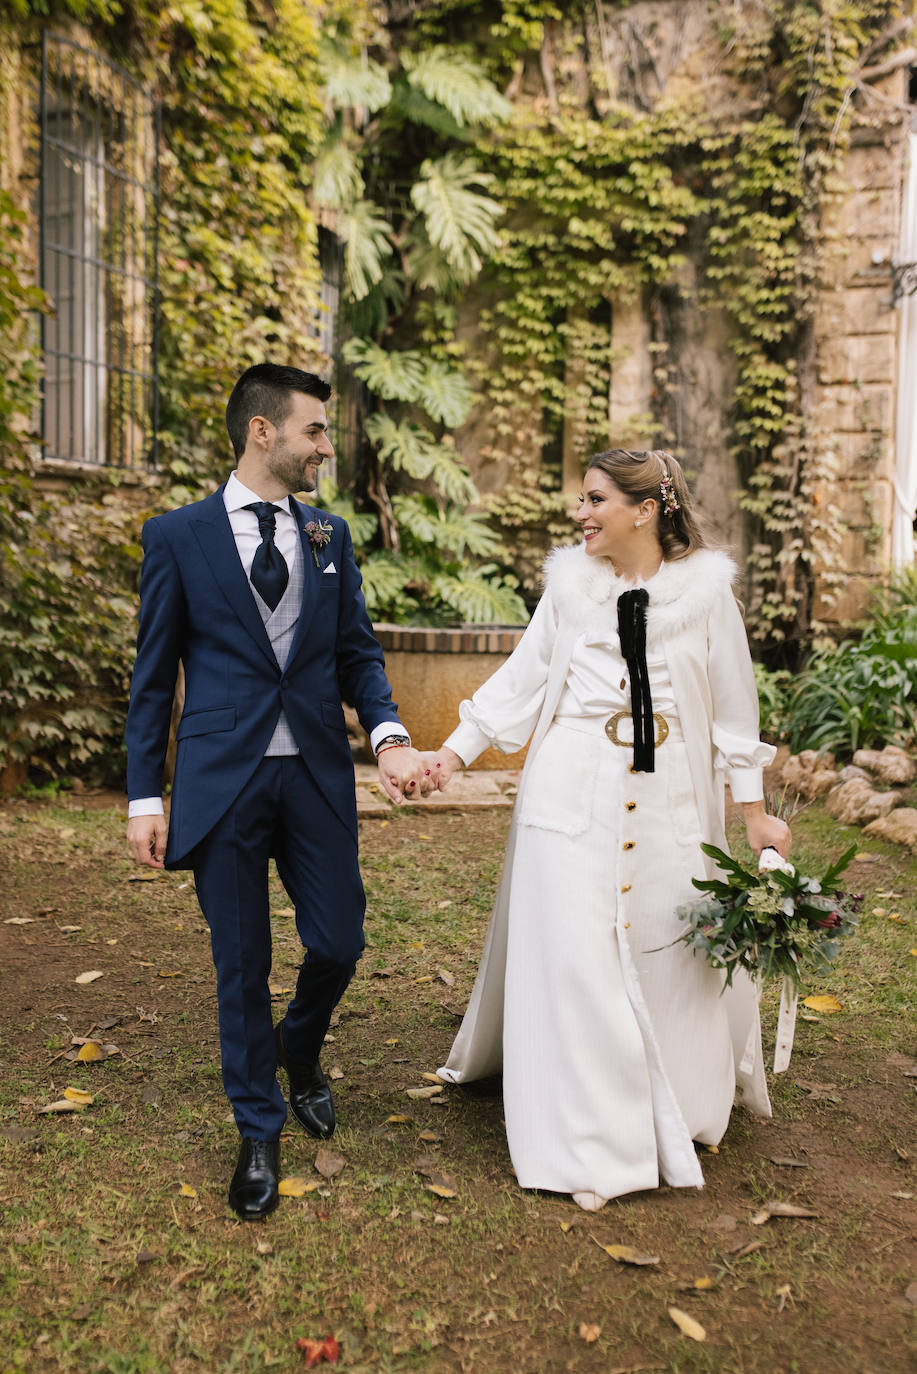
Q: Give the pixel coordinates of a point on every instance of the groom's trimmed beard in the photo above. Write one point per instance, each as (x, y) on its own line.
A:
(296, 474)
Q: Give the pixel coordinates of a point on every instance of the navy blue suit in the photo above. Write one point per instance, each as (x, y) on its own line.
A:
(232, 808)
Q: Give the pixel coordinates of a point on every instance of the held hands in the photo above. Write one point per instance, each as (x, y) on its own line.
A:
(439, 767)
(146, 836)
(405, 773)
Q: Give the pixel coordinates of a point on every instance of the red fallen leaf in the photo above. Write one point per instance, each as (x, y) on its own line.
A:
(318, 1351)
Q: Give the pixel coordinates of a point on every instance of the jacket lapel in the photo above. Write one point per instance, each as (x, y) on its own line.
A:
(310, 575)
(214, 534)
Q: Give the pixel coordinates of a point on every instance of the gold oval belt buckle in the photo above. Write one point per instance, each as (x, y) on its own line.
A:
(611, 729)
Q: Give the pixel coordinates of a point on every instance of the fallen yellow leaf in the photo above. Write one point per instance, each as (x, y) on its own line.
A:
(822, 1001)
(296, 1186)
(440, 1190)
(79, 1095)
(164, 974)
(704, 1283)
(687, 1325)
(626, 1254)
(91, 1050)
(399, 1119)
(89, 977)
(589, 1332)
(431, 1077)
(187, 1191)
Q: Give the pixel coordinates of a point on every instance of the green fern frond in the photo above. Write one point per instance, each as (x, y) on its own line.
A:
(353, 81)
(428, 266)
(479, 597)
(385, 577)
(450, 531)
(362, 524)
(395, 376)
(337, 180)
(410, 103)
(414, 450)
(366, 245)
(454, 81)
(459, 221)
(445, 394)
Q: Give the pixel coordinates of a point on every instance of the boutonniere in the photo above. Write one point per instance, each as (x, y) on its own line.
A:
(319, 532)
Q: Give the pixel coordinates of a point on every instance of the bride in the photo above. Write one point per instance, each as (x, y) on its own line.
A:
(634, 681)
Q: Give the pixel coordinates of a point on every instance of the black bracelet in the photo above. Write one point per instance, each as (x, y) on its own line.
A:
(392, 741)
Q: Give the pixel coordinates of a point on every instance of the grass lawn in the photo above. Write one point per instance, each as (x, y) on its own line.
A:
(120, 1252)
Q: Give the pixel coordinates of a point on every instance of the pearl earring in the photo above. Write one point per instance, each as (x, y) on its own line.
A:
(637, 524)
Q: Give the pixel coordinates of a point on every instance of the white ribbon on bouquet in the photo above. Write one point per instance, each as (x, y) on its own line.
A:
(786, 1017)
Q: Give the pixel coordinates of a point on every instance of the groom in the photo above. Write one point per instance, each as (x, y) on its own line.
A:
(259, 598)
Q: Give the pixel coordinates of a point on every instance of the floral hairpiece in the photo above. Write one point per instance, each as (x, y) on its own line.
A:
(669, 499)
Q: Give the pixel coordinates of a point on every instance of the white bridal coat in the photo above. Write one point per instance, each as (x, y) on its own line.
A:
(618, 1048)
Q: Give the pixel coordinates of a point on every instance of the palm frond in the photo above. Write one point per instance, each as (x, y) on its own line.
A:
(395, 376)
(413, 450)
(454, 81)
(366, 245)
(356, 80)
(480, 597)
(337, 180)
(459, 221)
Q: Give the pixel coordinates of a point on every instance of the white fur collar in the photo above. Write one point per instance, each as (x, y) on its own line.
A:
(585, 590)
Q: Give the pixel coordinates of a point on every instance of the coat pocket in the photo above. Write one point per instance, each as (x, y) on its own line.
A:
(683, 809)
(206, 722)
(333, 715)
(560, 783)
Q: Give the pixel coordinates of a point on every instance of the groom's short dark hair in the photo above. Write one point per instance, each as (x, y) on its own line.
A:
(265, 389)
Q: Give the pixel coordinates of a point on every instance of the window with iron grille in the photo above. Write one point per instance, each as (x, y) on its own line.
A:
(98, 212)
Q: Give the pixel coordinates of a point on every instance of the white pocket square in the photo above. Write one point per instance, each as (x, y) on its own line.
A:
(330, 568)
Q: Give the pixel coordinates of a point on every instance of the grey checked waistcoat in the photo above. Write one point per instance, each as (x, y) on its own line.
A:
(281, 626)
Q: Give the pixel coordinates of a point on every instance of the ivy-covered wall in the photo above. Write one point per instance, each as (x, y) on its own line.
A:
(555, 219)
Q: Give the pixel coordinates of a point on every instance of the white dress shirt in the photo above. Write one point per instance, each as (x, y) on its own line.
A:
(247, 534)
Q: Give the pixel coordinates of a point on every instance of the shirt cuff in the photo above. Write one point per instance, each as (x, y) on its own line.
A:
(145, 806)
(746, 784)
(467, 740)
(388, 727)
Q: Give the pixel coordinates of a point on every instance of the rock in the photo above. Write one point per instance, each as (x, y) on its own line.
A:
(900, 827)
(810, 774)
(854, 802)
(850, 772)
(890, 765)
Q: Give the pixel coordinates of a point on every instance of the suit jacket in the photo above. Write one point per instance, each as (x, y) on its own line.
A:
(197, 608)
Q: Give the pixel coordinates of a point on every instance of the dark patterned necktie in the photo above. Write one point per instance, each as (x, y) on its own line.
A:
(269, 574)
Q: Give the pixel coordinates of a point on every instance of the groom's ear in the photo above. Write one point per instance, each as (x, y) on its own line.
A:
(259, 431)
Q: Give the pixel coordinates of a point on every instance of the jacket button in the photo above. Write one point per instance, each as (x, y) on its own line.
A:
(630, 806)
(626, 887)
(629, 844)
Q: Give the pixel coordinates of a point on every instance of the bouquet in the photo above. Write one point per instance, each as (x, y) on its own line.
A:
(773, 921)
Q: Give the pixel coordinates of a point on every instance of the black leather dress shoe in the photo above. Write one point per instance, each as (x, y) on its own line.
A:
(253, 1190)
(310, 1097)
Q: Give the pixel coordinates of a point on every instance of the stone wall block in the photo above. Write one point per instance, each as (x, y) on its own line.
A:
(857, 357)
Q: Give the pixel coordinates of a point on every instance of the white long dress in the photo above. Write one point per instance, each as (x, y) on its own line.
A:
(618, 1049)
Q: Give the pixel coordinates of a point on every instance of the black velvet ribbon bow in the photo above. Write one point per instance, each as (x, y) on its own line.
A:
(632, 634)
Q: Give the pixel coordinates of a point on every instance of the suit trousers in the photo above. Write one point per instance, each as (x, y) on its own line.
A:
(281, 814)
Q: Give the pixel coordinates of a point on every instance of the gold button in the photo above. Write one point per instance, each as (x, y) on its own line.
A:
(630, 806)
(629, 844)
(627, 925)
(626, 887)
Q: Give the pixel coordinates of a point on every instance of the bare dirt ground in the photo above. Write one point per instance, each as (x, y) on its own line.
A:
(108, 1265)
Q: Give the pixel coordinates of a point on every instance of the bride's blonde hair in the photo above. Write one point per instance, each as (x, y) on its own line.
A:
(639, 476)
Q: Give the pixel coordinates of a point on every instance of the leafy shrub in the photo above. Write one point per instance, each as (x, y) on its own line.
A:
(862, 694)
(774, 688)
